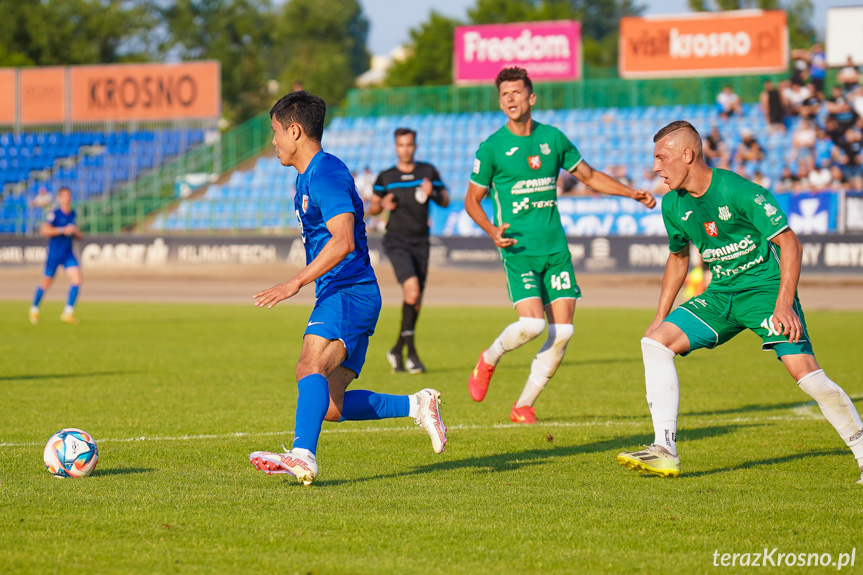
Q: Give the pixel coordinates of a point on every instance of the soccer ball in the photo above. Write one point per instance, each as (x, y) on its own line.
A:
(71, 453)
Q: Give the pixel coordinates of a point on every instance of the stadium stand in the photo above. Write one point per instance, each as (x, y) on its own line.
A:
(90, 163)
(262, 197)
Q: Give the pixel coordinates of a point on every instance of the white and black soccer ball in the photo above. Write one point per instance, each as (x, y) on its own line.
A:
(71, 453)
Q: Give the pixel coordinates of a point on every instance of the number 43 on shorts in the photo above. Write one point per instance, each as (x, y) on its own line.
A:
(561, 281)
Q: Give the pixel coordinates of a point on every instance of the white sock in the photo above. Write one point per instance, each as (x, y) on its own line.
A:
(68, 309)
(837, 408)
(303, 453)
(545, 364)
(414, 403)
(663, 392)
(514, 336)
(34, 308)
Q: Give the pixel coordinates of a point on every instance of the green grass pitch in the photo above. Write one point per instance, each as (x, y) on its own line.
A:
(177, 396)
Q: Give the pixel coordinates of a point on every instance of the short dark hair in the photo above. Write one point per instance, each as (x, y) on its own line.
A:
(304, 109)
(673, 127)
(513, 74)
(405, 132)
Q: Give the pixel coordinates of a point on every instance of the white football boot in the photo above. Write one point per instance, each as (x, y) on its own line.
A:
(304, 468)
(428, 417)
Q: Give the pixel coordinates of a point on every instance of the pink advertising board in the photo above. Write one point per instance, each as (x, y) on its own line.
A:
(547, 50)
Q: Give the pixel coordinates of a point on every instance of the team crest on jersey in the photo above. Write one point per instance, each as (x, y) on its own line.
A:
(544, 149)
(534, 162)
(724, 213)
(305, 203)
(711, 228)
(420, 196)
(769, 210)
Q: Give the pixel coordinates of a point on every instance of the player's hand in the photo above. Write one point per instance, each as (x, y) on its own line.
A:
(70, 229)
(657, 321)
(644, 197)
(786, 322)
(389, 202)
(499, 240)
(270, 297)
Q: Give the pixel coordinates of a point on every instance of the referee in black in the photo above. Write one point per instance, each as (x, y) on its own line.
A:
(405, 191)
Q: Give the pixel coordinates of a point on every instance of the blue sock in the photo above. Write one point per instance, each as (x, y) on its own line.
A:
(37, 297)
(73, 295)
(362, 405)
(312, 405)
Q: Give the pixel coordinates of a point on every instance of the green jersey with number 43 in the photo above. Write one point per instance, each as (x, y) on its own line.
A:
(731, 225)
(521, 175)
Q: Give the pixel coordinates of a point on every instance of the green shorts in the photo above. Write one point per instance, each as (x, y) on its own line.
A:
(713, 318)
(548, 277)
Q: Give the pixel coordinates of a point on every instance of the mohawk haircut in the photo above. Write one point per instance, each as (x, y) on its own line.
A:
(304, 109)
(673, 127)
(513, 74)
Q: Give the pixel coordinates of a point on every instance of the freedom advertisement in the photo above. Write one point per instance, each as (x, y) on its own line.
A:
(547, 50)
(704, 44)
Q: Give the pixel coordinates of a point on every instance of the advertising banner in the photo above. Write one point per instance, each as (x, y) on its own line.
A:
(42, 94)
(821, 253)
(547, 50)
(145, 91)
(704, 44)
(7, 95)
(854, 212)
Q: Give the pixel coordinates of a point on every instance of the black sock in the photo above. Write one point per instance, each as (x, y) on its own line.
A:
(409, 320)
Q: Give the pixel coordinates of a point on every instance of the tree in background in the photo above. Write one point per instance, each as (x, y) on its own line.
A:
(324, 45)
(69, 32)
(429, 60)
(237, 33)
(801, 33)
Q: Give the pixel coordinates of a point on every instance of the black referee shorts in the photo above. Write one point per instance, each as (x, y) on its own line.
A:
(409, 256)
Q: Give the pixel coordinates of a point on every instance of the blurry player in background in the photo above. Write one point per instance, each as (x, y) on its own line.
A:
(348, 299)
(61, 228)
(737, 226)
(405, 190)
(518, 165)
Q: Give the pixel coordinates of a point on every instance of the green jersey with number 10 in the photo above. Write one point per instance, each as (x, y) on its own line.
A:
(731, 225)
(521, 175)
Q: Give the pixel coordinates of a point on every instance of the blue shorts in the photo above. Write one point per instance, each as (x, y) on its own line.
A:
(66, 259)
(349, 315)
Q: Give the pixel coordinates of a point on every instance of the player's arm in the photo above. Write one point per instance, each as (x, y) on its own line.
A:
(605, 184)
(676, 269)
(49, 230)
(473, 208)
(790, 260)
(341, 228)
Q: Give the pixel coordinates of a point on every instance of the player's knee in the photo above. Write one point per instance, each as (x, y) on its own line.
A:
(559, 334)
(651, 347)
(530, 327)
(821, 388)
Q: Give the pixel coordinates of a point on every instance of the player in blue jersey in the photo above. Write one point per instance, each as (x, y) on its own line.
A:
(60, 226)
(348, 303)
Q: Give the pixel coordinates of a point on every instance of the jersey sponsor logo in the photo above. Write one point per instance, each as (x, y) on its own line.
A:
(525, 204)
(711, 228)
(759, 199)
(686, 216)
(311, 323)
(731, 251)
(544, 149)
(305, 203)
(420, 196)
(407, 177)
(718, 270)
(769, 210)
(534, 162)
(512, 151)
(476, 165)
(534, 185)
(724, 213)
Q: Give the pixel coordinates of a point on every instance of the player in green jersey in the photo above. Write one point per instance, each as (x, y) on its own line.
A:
(755, 259)
(518, 167)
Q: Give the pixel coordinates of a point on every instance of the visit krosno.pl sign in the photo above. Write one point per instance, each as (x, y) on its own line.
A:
(548, 50)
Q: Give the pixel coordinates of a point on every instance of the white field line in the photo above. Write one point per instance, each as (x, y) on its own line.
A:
(643, 422)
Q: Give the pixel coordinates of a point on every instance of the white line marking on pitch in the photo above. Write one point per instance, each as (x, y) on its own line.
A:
(640, 422)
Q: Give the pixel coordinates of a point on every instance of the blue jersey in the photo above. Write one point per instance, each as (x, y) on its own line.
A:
(324, 191)
(60, 244)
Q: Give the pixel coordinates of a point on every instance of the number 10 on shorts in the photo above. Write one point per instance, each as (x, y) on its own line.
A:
(561, 281)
